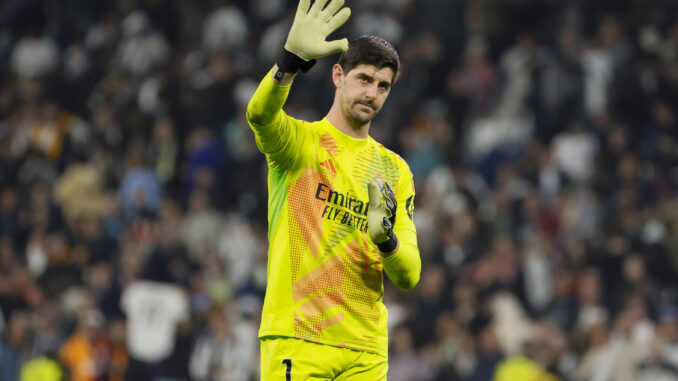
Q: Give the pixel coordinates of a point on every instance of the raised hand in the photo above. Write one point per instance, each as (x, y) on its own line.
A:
(312, 24)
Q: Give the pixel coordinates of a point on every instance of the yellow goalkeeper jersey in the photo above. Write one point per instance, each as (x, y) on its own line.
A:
(324, 281)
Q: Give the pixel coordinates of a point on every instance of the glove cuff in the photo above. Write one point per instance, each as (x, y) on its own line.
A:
(389, 246)
(291, 63)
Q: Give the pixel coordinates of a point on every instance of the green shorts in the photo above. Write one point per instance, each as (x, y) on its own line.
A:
(289, 359)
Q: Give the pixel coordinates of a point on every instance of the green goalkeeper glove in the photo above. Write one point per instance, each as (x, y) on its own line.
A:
(311, 26)
(382, 215)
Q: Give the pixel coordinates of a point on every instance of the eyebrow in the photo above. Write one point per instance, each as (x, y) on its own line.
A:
(371, 78)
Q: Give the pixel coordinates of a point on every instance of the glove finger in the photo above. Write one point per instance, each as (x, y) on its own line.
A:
(317, 7)
(302, 8)
(388, 193)
(389, 189)
(338, 20)
(335, 46)
(375, 194)
(390, 204)
(331, 9)
(387, 224)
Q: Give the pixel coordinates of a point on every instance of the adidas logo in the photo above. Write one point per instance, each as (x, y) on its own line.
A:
(329, 165)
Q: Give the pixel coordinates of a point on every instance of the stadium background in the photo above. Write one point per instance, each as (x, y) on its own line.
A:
(542, 136)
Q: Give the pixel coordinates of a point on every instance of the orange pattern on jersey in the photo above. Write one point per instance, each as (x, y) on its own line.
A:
(372, 341)
(328, 143)
(305, 215)
(310, 329)
(324, 324)
(324, 277)
(338, 234)
(372, 163)
(329, 274)
(368, 348)
(359, 256)
(322, 302)
(363, 302)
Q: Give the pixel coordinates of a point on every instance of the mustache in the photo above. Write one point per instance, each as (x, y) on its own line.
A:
(367, 103)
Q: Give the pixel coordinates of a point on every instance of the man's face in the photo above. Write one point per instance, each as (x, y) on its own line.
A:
(362, 91)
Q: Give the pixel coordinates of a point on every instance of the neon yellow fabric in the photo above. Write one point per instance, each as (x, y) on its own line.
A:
(324, 272)
(311, 361)
(521, 368)
(41, 369)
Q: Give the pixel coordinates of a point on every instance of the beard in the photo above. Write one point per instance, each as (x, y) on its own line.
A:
(360, 117)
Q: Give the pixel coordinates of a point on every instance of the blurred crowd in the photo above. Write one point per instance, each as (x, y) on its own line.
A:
(542, 135)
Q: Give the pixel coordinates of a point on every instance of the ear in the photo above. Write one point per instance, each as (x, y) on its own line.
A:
(337, 75)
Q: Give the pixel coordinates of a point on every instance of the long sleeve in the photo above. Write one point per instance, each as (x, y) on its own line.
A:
(278, 135)
(404, 267)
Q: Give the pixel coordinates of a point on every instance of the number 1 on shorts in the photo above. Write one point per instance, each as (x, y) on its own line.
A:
(288, 372)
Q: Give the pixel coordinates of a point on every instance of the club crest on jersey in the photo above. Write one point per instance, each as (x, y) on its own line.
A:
(409, 206)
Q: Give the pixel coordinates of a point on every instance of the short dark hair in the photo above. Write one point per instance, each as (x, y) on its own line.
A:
(370, 50)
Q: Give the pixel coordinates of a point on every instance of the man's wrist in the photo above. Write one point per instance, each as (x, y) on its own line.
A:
(281, 78)
(289, 62)
(389, 247)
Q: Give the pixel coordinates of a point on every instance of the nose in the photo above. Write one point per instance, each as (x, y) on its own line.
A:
(371, 91)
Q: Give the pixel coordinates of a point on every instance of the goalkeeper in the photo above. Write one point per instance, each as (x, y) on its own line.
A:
(339, 209)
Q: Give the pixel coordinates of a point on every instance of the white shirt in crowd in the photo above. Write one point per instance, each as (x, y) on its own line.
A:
(153, 310)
